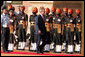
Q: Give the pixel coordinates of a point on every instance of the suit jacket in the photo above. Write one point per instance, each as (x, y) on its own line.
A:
(40, 25)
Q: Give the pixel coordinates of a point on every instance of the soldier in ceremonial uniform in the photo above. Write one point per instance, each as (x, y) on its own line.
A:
(22, 26)
(57, 31)
(70, 29)
(64, 29)
(12, 18)
(78, 26)
(47, 24)
(32, 41)
(52, 16)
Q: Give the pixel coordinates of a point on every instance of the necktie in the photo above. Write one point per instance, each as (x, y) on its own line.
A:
(43, 18)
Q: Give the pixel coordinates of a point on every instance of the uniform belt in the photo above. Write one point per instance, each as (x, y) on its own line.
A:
(69, 25)
(77, 24)
(65, 24)
(32, 23)
(21, 22)
(55, 26)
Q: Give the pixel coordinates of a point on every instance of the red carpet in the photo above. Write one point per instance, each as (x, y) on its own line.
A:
(28, 53)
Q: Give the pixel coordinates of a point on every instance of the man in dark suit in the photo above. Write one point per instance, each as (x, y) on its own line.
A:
(41, 30)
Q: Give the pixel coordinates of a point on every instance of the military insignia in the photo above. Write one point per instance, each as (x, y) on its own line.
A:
(21, 21)
(78, 20)
(70, 20)
(47, 19)
(53, 18)
(59, 20)
(22, 17)
(11, 20)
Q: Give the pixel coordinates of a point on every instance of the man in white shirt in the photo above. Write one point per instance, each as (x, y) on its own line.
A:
(5, 29)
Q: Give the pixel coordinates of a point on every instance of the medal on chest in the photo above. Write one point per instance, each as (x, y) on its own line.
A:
(78, 20)
(53, 18)
(71, 20)
(22, 17)
(47, 20)
(59, 20)
(11, 20)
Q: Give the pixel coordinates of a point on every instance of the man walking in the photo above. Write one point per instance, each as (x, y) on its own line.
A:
(40, 30)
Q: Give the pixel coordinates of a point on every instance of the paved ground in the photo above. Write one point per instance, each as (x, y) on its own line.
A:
(51, 52)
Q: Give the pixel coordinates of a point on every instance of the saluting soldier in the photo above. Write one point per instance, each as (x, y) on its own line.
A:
(52, 17)
(22, 26)
(32, 41)
(47, 24)
(57, 31)
(5, 29)
(78, 26)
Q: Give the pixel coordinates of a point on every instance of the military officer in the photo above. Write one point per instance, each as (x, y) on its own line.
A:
(70, 29)
(22, 26)
(64, 29)
(52, 17)
(57, 31)
(78, 22)
(32, 41)
(47, 24)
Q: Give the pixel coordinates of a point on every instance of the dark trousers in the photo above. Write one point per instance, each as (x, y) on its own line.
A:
(44, 42)
(52, 35)
(48, 38)
(32, 39)
(65, 38)
(70, 37)
(57, 38)
(11, 40)
(21, 34)
(5, 39)
(65, 35)
(78, 36)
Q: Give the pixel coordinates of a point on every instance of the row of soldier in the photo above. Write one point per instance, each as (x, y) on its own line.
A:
(60, 30)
